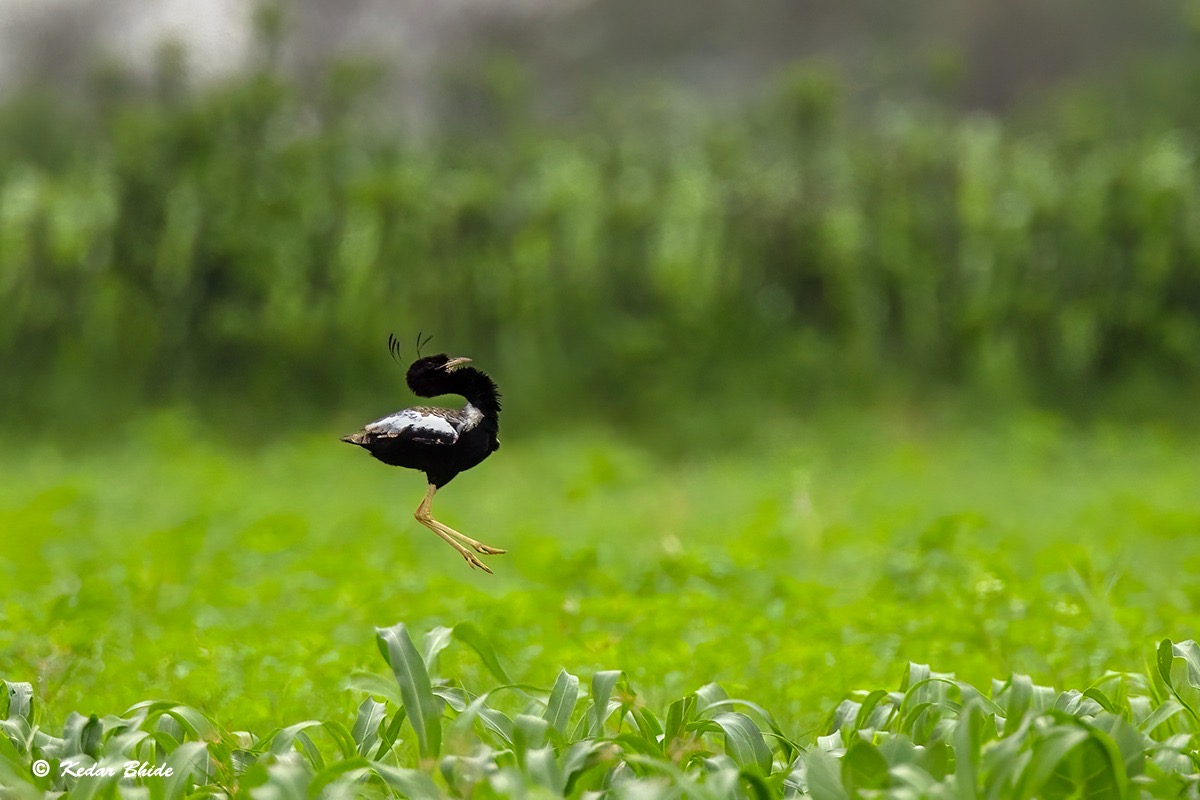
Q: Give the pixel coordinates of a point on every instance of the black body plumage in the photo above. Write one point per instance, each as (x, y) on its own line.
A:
(441, 442)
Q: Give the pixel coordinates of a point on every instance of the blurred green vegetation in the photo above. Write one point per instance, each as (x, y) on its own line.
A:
(261, 238)
(243, 580)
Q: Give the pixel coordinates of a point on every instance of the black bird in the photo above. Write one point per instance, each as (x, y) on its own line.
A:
(441, 442)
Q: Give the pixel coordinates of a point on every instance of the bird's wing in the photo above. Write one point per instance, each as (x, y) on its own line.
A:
(425, 425)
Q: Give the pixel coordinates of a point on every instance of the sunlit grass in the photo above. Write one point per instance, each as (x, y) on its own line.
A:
(419, 735)
(242, 579)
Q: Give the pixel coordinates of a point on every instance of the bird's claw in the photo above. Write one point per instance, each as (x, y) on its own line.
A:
(474, 562)
(490, 551)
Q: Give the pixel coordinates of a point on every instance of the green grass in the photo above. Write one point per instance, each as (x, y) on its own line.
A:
(245, 579)
(418, 736)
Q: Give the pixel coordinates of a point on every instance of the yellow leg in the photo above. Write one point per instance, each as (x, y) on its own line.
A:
(452, 537)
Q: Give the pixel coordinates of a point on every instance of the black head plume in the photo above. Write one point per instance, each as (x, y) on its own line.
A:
(394, 349)
(422, 342)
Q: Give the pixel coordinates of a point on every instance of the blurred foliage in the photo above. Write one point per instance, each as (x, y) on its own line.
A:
(264, 237)
(243, 579)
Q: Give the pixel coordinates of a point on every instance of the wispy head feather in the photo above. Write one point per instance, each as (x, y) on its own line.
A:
(421, 343)
(394, 349)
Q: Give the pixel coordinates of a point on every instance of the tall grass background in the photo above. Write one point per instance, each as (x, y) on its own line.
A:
(161, 241)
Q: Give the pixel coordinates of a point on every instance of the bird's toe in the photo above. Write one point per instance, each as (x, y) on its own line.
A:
(474, 562)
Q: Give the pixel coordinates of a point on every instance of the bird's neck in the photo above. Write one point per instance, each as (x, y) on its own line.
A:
(479, 390)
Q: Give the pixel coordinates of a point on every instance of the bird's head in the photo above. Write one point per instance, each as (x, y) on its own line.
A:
(427, 376)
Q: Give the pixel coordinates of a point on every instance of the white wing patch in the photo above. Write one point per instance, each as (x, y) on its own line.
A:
(410, 418)
(471, 416)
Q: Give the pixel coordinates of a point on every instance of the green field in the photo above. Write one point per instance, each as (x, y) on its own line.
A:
(819, 393)
(245, 578)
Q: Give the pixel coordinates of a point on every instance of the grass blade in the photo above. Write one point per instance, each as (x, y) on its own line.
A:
(744, 741)
(470, 635)
(369, 682)
(435, 642)
(602, 686)
(189, 765)
(366, 725)
(824, 776)
(415, 689)
(562, 700)
(20, 699)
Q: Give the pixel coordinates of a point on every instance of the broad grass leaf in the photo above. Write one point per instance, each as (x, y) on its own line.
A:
(744, 741)
(350, 769)
(844, 715)
(410, 783)
(680, 715)
(1179, 667)
(369, 682)
(469, 634)
(344, 739)
(867, 718)
(287, 779)
(19, 732)
(415, 689)
(1003, 762)
(366, 725)
(1130, 744)
(758, 785)
(967, 741)
(789, 747)
(648, 726)
(915, 778)
(896, 749)
(864, 768)
(1160, 715)
(310, 750)
(1016, 698)
(493, 720)
(16, 785)
(14, 767)
(435, 642)
(824, 776)
(579, 758)
(1097, 694)
(832, 743)
(561, 703)
(708, 696)
(935, 759)
(529, 733)
(1096, 768)
(20, 699)
(282, 740)
(543, 768)
(602, 686)
(1051, 748)
(194, 721)
(633, 742)
(154, 746)
(189, 765)
(453, 696)
(82, 735)
(388, 734)
(185, 719)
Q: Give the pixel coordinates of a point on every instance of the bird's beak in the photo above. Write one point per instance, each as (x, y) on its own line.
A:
(455, 363)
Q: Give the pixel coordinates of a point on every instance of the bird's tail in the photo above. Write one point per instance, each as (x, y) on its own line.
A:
(354, 438)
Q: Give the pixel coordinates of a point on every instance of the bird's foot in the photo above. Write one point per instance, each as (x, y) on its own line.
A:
(487, 550)
(473, 561)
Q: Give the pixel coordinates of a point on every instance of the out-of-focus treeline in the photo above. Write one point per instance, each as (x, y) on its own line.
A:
(258, 239)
